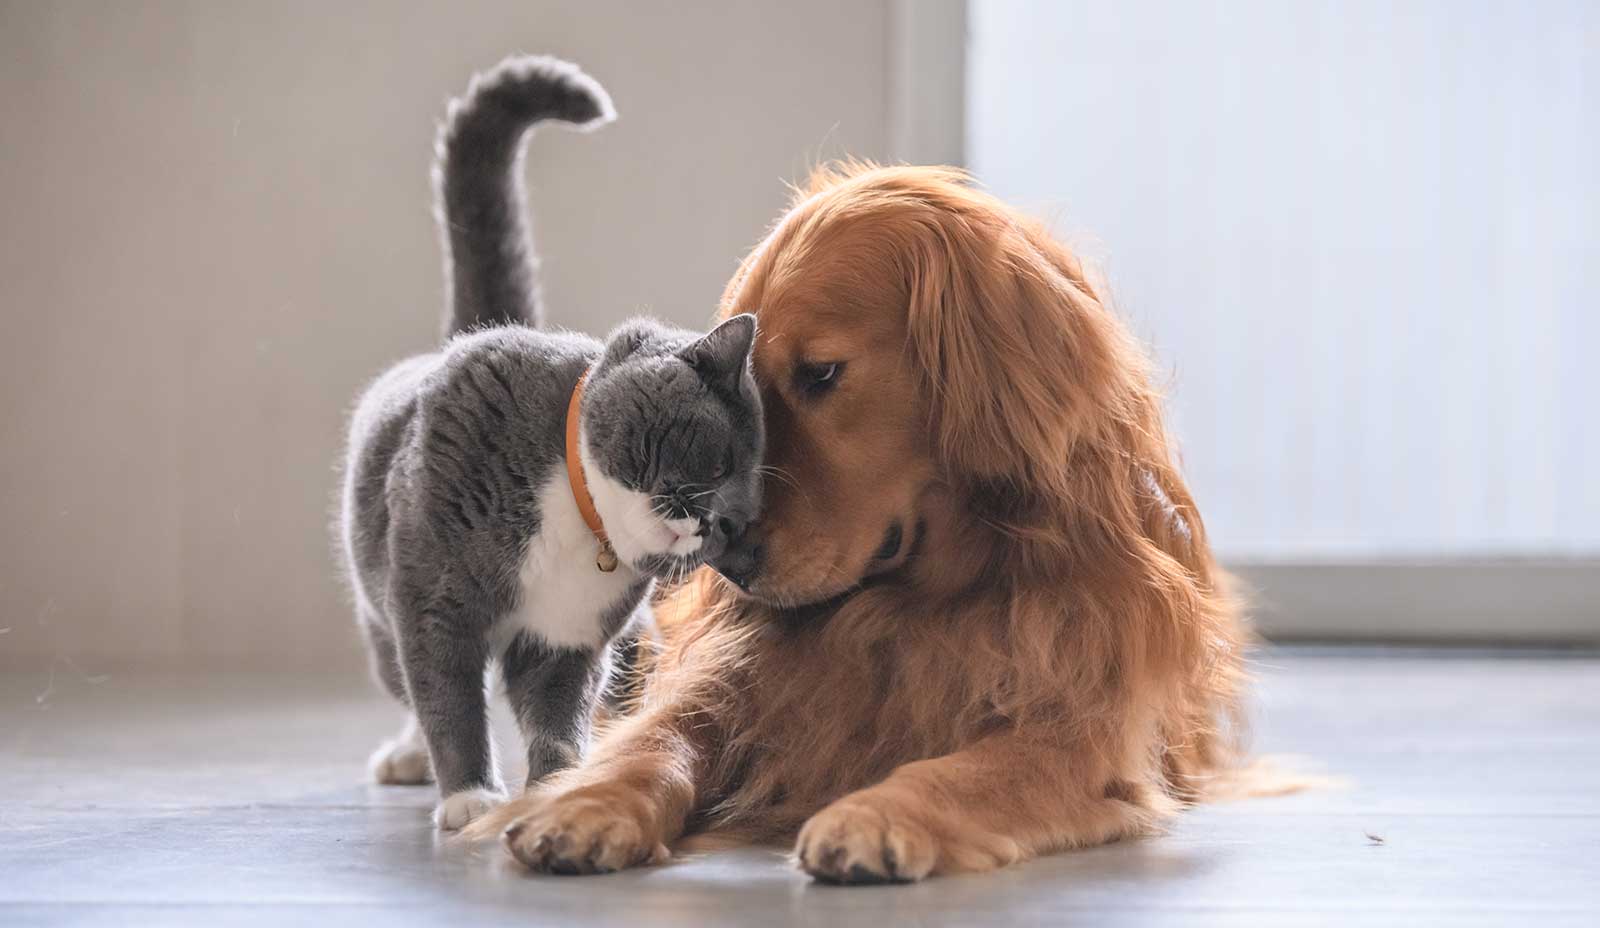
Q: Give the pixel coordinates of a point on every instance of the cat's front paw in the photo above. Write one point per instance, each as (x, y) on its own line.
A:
(457, 810)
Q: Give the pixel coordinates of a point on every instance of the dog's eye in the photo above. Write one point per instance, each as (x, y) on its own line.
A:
(817, 379)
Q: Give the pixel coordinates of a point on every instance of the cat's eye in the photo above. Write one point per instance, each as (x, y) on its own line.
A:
(723, 467)
(815, 379)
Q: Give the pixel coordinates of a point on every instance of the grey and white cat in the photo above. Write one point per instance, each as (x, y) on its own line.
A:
(461, 531)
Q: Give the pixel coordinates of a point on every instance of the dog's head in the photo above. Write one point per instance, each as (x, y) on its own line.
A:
(922, 348)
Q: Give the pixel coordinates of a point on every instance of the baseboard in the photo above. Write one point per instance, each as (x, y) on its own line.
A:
(1493, 602)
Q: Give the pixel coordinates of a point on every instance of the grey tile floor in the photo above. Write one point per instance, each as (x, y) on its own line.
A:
(1473, 798)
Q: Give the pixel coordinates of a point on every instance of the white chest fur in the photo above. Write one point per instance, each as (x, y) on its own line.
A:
(564, 595)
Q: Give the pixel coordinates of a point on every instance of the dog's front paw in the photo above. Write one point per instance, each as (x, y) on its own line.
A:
(862, 841)
(457, 810)
(583, 834)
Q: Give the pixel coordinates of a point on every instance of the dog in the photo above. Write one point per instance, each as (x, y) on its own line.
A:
(978, 619)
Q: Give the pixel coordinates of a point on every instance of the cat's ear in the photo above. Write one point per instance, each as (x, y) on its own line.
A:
(722, 355)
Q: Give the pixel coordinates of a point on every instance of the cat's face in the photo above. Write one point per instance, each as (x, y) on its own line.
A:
(673, 437)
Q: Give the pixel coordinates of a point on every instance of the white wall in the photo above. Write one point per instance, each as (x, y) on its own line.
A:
(1364, 237)
(214, 227)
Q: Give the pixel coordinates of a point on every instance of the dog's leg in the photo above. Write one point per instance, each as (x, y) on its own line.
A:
(997, 802)
(621, 808)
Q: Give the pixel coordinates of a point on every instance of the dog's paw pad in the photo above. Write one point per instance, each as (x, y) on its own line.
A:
(860, 843)
(582, 836)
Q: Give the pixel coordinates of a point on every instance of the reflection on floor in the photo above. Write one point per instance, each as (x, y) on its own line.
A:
(1474, 798)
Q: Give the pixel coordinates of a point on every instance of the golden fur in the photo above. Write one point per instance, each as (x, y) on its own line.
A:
(1054, 663)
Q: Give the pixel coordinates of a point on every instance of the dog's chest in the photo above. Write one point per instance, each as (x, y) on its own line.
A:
(564, 598)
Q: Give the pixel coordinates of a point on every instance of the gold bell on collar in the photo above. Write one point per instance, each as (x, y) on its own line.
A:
(606, 560)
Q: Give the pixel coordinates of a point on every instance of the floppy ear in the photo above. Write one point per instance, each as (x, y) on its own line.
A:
(722, 356)
(1017, 356)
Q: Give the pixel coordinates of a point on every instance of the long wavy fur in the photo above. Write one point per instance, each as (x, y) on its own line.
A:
(1072, 603)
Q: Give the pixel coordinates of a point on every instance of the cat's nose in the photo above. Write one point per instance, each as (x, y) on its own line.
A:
(679, 505)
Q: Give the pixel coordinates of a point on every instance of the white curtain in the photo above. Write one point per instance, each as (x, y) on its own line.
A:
(1361, 236)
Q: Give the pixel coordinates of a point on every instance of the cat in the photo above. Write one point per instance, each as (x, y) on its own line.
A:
(467, 537)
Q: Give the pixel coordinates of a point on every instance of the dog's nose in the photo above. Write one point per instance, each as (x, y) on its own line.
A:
(740, 560)
(740, 566)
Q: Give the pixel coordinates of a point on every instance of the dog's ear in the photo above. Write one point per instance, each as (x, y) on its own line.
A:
(1016, 354)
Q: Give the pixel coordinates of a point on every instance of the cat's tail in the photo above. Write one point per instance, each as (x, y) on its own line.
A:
(490, 265)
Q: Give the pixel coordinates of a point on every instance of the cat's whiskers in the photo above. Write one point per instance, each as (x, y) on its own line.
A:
(781, 474)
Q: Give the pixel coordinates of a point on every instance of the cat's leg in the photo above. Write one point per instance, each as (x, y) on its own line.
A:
(403, 759)
(385, 658)
(553, 693)
(626, 684)
(444, 663)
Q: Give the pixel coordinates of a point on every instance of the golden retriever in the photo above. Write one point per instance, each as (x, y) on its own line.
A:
(979, 619)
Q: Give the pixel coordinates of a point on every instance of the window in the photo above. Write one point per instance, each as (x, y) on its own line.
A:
(1364, 242)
